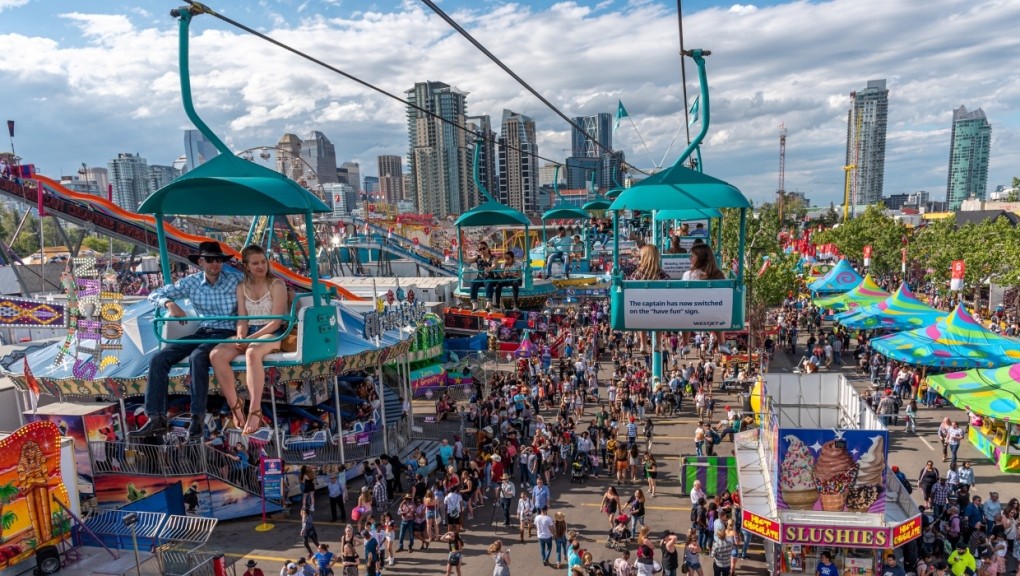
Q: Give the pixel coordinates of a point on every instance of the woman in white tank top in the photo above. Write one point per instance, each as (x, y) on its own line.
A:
(259, 295)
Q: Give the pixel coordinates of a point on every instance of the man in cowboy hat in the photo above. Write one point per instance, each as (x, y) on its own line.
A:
(213, 292)
(507, 491)
(252, 570)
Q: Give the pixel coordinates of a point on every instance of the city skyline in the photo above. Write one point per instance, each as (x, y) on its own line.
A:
(968, 156)
(85, 86)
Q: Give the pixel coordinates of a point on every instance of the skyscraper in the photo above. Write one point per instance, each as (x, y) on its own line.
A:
(391, 178)
(197, 150)
(438, 158)
(591, 151)
(482, 136)
(968, 157)
(320, 154)
(350, 173)
(129, 175)
(866, 125)
(287, 162)
(160, 176)
(101, 176)
(518, 163)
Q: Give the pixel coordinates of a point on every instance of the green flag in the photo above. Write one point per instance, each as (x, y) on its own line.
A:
(621, 113)
(694, 111)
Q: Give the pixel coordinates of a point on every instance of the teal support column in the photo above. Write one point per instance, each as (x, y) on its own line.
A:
(656, 353)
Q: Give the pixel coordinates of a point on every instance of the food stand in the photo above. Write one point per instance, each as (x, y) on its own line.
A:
(814, 477)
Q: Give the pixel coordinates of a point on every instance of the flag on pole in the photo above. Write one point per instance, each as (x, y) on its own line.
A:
(903, 261)
(956, 277)
(10, 128)
(33, 386)
(867, 255)
(764, 266)
(693, 112)
(621, 113)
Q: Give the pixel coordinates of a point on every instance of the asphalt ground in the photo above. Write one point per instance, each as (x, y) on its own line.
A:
(580, 502)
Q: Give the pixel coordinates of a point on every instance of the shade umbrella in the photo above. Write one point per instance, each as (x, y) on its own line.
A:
(955, 341)
(901, 311)
(985, 391)
(842, 278)
(864, 294)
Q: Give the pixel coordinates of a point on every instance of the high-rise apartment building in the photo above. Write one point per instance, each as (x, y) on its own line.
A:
(350, 173)
(968, 157)
(482, 136)
(320, 154)
(518, 163)
(591, 151)
(438, 157)
(547, 175)
(101, 177)
(197, 150)
(866, 126)
(160, 176)
(391, 178)
(129, 175)
(372, 188)
(288, 157)
(341, 197)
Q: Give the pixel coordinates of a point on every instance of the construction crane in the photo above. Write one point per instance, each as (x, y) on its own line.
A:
(781, 192)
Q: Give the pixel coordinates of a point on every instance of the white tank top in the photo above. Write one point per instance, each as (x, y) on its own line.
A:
(259, 307)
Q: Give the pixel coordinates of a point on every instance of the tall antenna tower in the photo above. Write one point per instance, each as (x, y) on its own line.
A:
(781, 191)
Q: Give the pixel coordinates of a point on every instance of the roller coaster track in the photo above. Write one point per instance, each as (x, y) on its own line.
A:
(102, 215)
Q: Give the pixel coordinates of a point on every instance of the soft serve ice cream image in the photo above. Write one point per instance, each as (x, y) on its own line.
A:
(870, 477)
(796, 477)
(834, 473)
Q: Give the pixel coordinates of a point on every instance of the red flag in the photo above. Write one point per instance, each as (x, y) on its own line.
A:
(764, 267)
(33, 386)
(903, 260)
(867, 255)
(958, 271)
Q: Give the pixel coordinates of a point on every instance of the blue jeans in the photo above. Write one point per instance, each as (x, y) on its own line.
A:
(747, 542)
(561, 547)
(557, 257)
(545, 548)
(634, 521)
(198, 360)
(700, 447)
(953, 448)
(406, 527)
(476, 285)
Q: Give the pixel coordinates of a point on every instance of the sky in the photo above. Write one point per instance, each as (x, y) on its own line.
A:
(85, 81)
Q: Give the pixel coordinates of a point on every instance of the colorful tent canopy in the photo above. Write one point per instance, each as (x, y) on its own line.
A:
(901, 311)
(988, 392)
(956, 340)
(864, 294)
(840, 279)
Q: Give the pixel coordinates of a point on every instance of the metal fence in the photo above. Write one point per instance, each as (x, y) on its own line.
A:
(147, 459)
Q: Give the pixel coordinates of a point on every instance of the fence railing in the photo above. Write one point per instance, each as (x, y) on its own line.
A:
(147, 459)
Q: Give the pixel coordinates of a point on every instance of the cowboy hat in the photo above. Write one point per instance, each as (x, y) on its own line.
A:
(251, 564)
(496, 458)
(209, 248)
(559, 517)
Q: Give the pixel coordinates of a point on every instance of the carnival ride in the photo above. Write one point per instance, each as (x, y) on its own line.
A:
(106, 352)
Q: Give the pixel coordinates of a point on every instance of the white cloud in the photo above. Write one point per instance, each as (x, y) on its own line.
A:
(5, 4)
(794, 63)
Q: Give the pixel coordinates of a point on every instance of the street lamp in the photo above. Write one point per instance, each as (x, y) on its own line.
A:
(129, 520)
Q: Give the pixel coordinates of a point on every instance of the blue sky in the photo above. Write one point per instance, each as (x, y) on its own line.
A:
(85, 81)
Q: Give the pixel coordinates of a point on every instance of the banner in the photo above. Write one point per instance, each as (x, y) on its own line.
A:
(958, 271)
(867, 255)
(672, 309)
(903, 261)
(10, 128)
(832, 470)
(39, 198)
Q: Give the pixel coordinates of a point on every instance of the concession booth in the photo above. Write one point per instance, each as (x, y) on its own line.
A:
(814, 477)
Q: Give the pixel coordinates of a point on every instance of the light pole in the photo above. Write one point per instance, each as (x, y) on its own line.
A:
(129, 520)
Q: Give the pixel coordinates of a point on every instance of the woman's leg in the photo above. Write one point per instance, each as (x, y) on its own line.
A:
(220, 358)
(254, 358)
(476, 285)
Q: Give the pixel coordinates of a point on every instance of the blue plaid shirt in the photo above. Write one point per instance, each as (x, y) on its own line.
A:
(219, 299)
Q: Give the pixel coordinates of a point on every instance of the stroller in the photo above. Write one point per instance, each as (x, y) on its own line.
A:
(580, 468)
(620, 533)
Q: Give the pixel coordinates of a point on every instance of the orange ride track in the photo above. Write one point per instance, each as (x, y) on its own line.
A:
(136, 228)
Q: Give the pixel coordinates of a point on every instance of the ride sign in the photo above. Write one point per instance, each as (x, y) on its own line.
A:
(672, 309)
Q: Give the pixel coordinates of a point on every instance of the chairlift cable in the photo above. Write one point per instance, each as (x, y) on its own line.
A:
(199, 8)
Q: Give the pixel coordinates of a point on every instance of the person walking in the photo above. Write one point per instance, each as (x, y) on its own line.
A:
(406, 510)
(692, 554)
(252, 570)
(500, 558)
(610, 504)
(544, 529)
(953, 439)
(507, 491)
(308, 532)
(651, 472)
(560, 537)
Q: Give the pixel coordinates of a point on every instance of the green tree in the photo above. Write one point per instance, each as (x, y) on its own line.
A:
(8, 492)
(1015, 192)
(872, 228)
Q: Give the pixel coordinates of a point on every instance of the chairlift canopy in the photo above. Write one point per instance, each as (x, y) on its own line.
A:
(492, 214)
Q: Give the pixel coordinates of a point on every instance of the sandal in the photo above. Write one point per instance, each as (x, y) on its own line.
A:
(237, 413)
(257, 414)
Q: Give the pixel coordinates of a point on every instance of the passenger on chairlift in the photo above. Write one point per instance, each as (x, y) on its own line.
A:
(483, 262)
(213, 292)
(703, 264)
(557, 251)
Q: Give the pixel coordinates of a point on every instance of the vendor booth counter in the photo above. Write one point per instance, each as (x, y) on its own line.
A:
(814, 477)
(991, 442)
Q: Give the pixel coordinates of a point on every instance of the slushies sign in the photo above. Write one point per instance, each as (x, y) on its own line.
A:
(680, 309)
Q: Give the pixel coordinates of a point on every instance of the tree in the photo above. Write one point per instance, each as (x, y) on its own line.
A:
(872, 228)
(1014, 194)
(8, 492)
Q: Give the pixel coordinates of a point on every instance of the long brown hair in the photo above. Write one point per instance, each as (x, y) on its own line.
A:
(649, 263)
(249, 251)
(703, 259)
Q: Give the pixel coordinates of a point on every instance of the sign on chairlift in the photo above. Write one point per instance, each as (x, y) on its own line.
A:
(671, 309)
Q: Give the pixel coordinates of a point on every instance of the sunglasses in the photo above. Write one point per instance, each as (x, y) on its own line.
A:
(212, 259)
